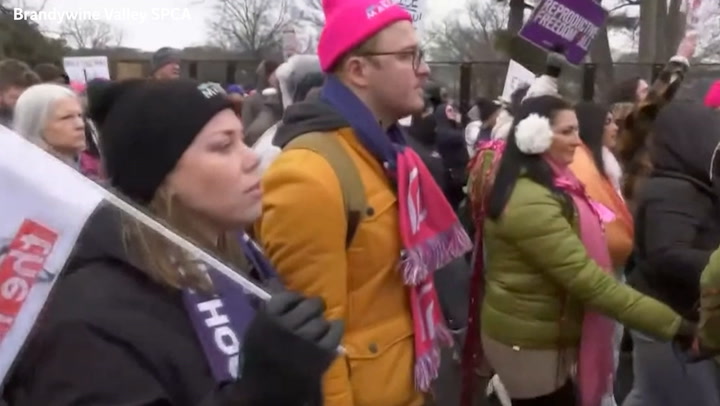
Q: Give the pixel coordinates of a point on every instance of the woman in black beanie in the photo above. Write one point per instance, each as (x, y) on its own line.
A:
(126, 324)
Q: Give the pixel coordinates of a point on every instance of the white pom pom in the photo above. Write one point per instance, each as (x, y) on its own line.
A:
(533, 134)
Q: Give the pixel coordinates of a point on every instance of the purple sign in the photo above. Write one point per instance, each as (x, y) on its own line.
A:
(570, 24)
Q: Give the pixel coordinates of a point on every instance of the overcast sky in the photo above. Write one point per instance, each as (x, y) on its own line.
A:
(185, 27)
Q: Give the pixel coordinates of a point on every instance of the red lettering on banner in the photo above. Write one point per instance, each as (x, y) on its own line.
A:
(19, 267)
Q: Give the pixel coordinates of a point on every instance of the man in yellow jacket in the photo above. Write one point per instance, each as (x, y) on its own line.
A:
(376, 72)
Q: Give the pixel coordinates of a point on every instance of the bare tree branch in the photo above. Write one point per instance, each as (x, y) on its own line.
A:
(253, 26)
(308, 17)
(91, 34)
(469, 35)
(312, 13)
(709, 45)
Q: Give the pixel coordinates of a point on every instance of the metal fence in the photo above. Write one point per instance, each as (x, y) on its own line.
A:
(467, 80)
(464, 80)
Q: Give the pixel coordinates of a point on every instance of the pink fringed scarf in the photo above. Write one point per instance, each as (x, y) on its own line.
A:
(595, 363)
(432, 236)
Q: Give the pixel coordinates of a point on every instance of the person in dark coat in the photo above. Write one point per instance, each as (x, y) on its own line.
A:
(677, 227)
(452, 280)
(265, 99)
(128, 322)
(421, 138)
(450, 144)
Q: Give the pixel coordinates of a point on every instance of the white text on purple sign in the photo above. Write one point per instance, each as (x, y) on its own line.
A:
(566, 23)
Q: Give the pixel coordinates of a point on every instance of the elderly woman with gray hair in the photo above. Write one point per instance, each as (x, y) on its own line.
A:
(51, 117)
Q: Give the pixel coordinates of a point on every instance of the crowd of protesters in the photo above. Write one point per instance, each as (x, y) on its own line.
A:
(526, 250)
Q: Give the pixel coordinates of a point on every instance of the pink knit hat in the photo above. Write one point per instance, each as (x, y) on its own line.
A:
(348, 23)
(712, 98)
(77, 87)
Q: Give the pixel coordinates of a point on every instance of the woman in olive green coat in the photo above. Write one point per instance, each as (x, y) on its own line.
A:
(709, 342)
(710, 305)
(546, 296)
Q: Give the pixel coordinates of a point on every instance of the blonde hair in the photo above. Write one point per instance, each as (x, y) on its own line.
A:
(165, 262)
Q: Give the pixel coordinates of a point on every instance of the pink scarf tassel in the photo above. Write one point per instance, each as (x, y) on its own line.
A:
(432, 237)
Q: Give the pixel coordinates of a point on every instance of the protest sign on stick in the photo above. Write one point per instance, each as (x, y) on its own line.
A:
(517, 77)
(417, 9)
(83, 69)
(569, 25)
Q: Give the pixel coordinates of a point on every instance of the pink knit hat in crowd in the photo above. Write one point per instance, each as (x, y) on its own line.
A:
(712, 98)
(77, 87)
(348, 23)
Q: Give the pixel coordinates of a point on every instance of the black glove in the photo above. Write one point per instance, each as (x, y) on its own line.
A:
(304, 317)
(287, 349)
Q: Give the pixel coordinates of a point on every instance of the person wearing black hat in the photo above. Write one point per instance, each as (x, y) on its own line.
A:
(489, 111)
(134, 319)
(165, 63)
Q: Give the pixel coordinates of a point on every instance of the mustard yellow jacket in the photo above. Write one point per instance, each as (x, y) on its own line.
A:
(303, 229)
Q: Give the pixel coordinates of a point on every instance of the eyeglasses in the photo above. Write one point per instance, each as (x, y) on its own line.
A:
(417, 55)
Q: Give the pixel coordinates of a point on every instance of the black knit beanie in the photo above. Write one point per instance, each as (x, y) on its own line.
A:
(146, 126)
(164, 56)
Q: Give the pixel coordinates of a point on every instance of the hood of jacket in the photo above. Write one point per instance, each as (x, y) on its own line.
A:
(297, 76)
(305, 117)
(685, 135)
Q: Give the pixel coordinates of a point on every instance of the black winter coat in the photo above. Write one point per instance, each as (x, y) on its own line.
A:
(677, 212)
(109, 335)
